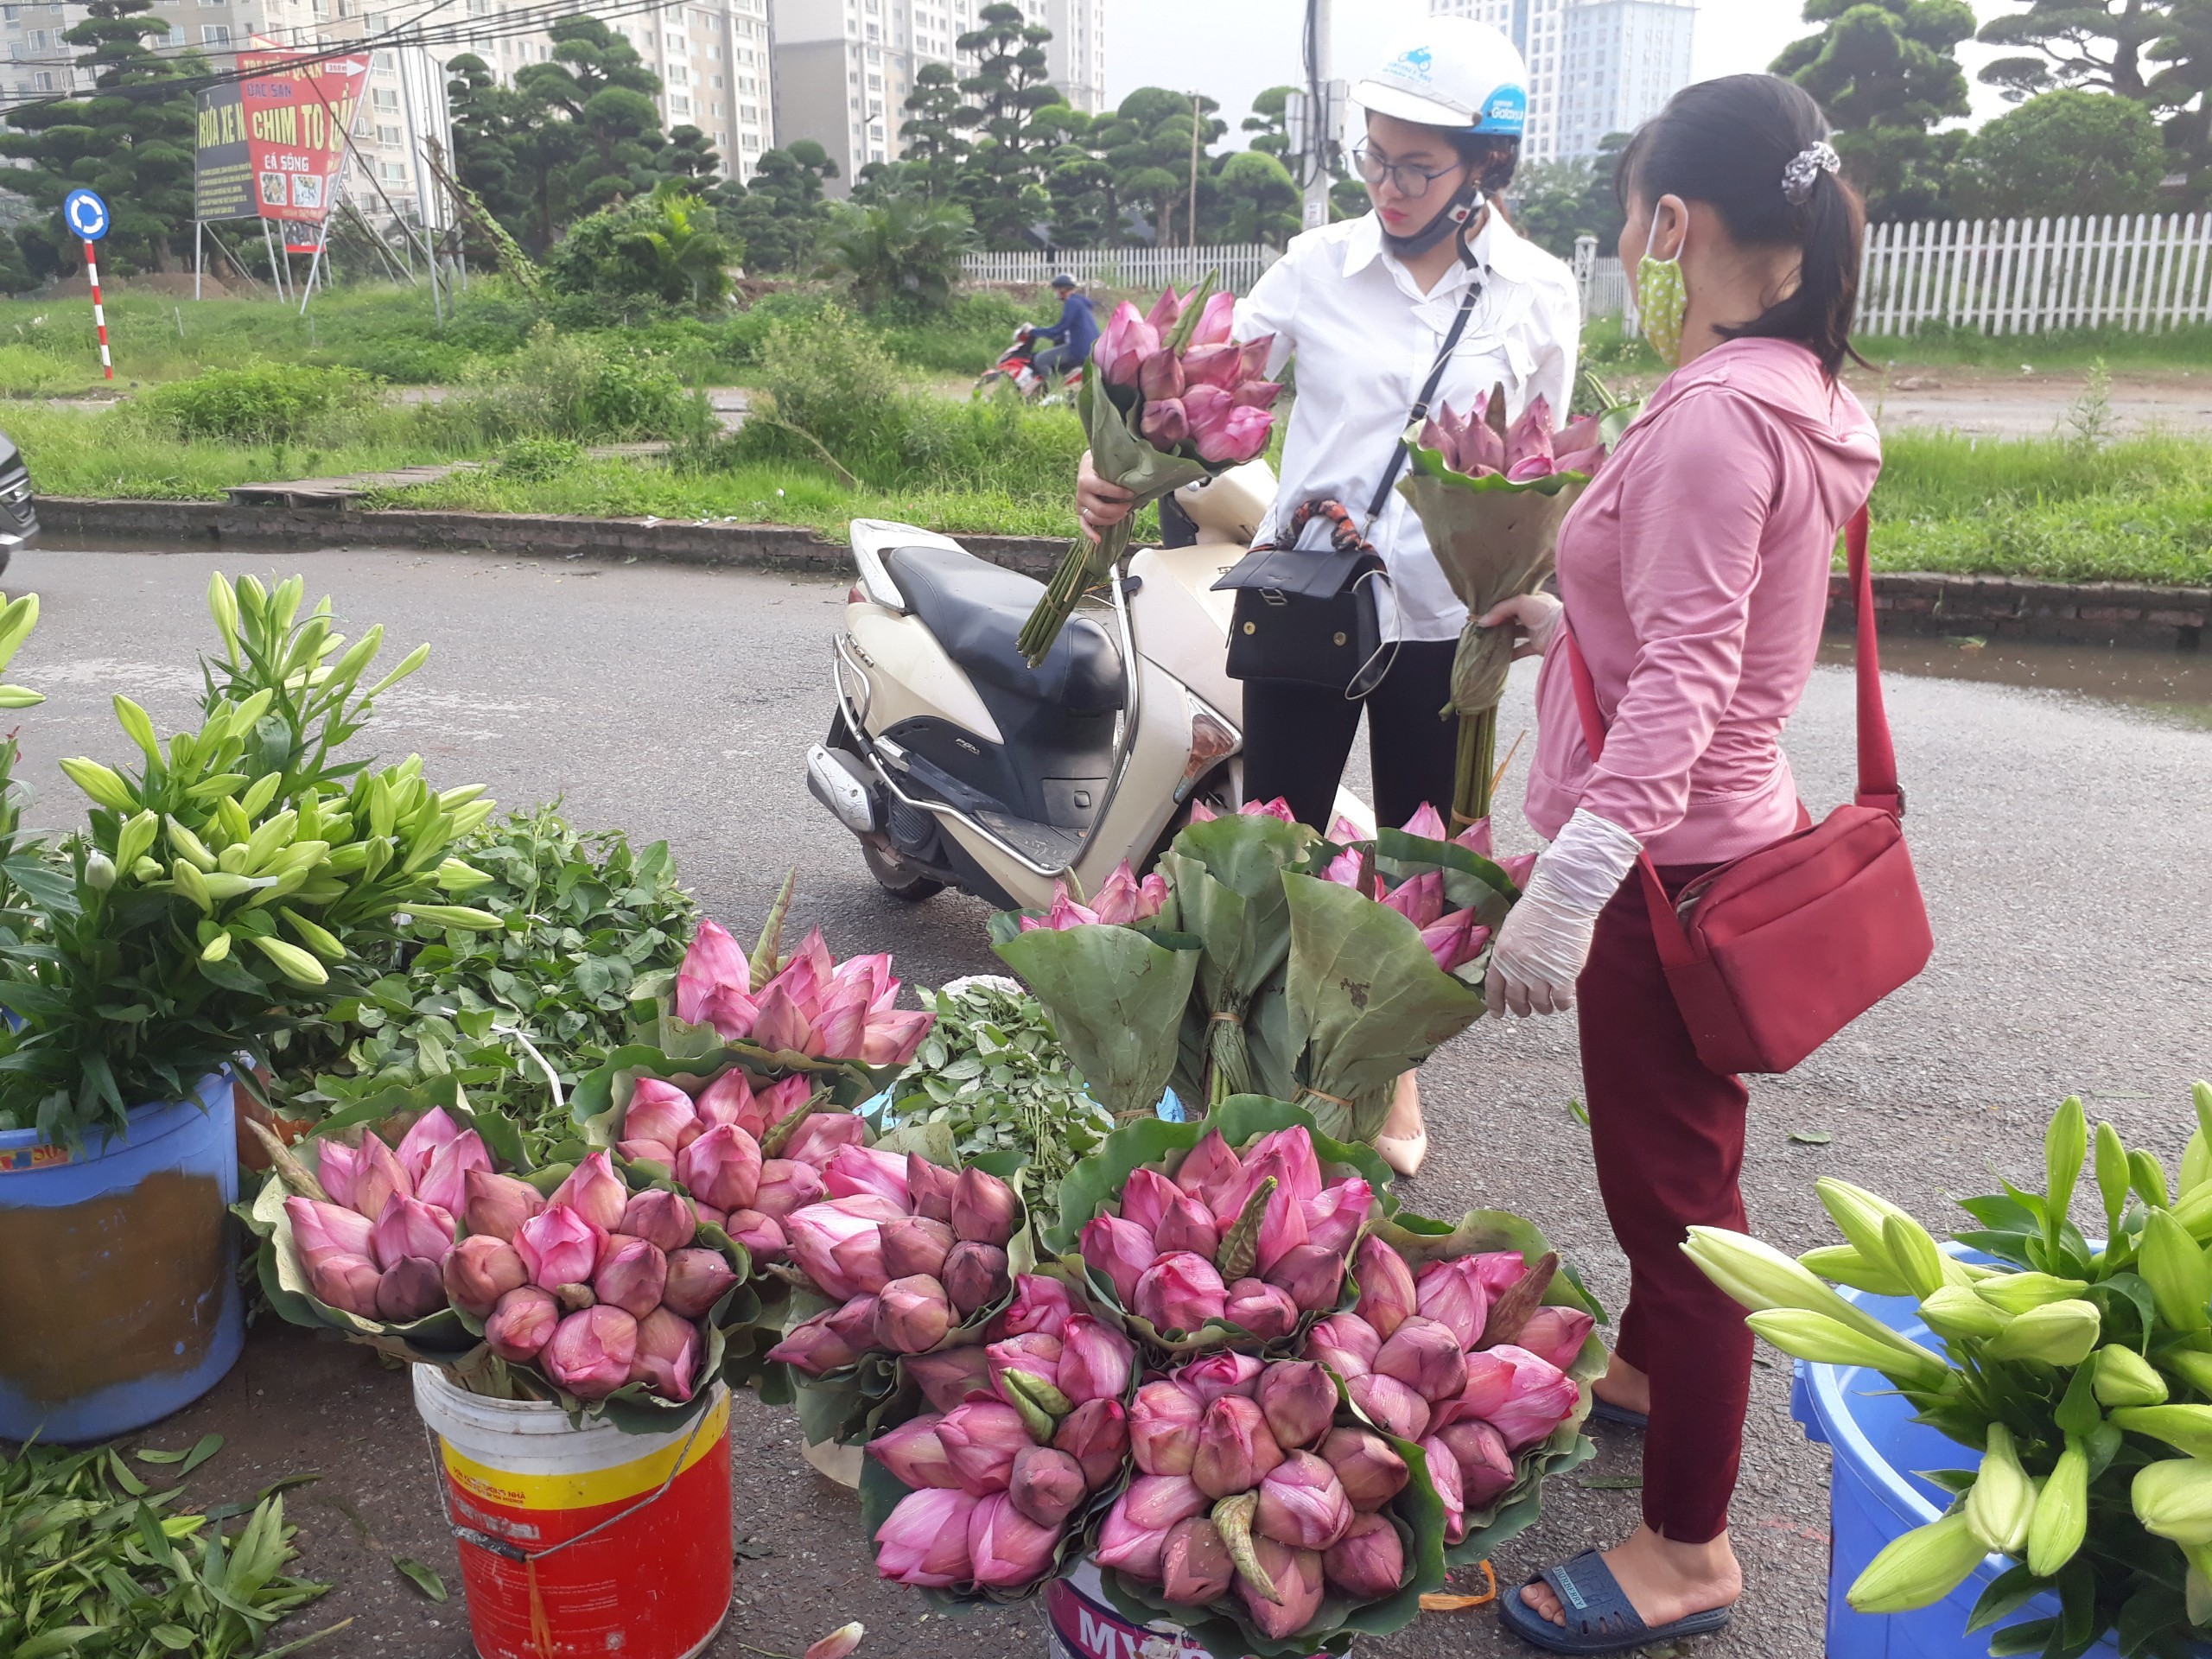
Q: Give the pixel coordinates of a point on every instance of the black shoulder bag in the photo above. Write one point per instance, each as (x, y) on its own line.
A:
(1311, 618)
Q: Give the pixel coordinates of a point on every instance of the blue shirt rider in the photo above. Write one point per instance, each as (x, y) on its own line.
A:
(1073, 335)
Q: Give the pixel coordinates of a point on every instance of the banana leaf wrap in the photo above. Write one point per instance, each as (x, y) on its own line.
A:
(1117, 997)
(1367, 1002)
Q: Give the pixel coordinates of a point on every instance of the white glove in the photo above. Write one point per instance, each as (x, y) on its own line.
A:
(1545, 939)
(1536, 615)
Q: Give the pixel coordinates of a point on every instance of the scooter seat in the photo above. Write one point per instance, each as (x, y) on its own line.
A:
(976, 609)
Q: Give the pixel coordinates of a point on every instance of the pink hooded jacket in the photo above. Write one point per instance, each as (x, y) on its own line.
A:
(1695, 574)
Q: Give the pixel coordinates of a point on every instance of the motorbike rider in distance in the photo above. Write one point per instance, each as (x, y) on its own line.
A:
(1072, 336)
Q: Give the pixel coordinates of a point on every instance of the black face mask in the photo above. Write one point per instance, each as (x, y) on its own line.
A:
(1450, 222)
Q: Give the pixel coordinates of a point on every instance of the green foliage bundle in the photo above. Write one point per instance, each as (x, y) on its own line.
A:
(257, 403)
(905, 252)
(666, 247)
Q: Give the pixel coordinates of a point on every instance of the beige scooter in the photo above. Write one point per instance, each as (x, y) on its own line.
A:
(957, 765)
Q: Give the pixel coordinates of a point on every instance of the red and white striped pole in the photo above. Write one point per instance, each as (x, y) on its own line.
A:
(99, 313)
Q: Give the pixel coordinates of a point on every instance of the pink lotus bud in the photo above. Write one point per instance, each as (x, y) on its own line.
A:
(816, 1231)
(1219, 1373)
(1426, 822)
(924, 1542)
(708, 1216)
(661, 1217)
(336, 1167)
(1300, 1169)
(983, 1208)
(594, 1191)
(816, 1141)
(1205, 407)
(1006, 1548)
(378, 1176)
(1242, 436)
(786, 1185)
(1312, 1276)
(722, 1167)
(1486, 1466)
(1298, 1400)
(859, 1257)
(818, 1348)
(1256, 352)
(1234, 1451)
(592, 1352)
(1256, 394)
(1166, 310)
(434, 1129)
(1164, 1421)
(659, 1111)
(1420, 901)
(1424, 1355)
(947, 1378)
(1543, 1397)
(838, 1643)
(863, 1169)
(1216, 321)
(559, 1247)
(1180, 1292)
(1386, 1286)
(1390, 1404)
(975, 1276)
(1344, 1343)
(1266, 1313)
(1530, 438)
(714, 961)
(1301, 1503)
(912, 1452)
(409, 1289)
(1096, 1435)
(1500, 1270)
(1095, 1360)
(930, 1187)
(1160, 375)
(1455, 940)
(1136, 1531)
(912, 1315)
(914, 1244)
(1333, 1220)
(479, 1271)
(1194, 1564)
(1368, 1467)
(1283, 1224)
(647, 1151)
(1146, 1196)
(696, 1279)
(1064, 912)
(1556, 1334)
(1296, 1575)
(1210, 1171)
(728, 1099)
(1123, 347)
(443, 1184)
(1369, 1563)
(633, 1273)
(410, 1227)
(1186, 1224)
(322, 1231)
(497, 1205)
(1047, 1485)
(668, 1354)
(980, 1439)
(1037, 1354)
(1489, 1385)
(1213, 366)
(781, 1021)
(522, 1323)
(1443, 1475)
(1039, 1304)
(1119, 1251)
(347, 1281)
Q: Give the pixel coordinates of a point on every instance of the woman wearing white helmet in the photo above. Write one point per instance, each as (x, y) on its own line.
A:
(1433, 279)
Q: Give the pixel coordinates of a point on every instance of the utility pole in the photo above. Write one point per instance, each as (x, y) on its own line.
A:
(1321, 114)
(1190, 220)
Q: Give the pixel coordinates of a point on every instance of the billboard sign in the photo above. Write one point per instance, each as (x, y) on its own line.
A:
(272, 143)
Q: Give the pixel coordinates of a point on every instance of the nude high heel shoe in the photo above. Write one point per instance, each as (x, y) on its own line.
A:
(1403, 1141)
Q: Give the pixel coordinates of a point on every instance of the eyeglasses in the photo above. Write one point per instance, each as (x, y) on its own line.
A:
(1407, 180)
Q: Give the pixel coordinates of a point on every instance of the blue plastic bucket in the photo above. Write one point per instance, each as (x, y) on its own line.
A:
(1874, 1497)
(118, 1271)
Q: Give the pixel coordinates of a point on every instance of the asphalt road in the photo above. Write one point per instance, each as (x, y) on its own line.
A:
(2059, 836)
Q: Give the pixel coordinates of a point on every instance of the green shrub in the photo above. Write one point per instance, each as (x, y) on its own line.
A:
(666, 247)
(536, 459)
(261, 402)
(830, 376)
(580, 386)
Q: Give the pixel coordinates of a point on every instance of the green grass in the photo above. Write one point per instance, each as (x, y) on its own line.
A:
(2185, 347)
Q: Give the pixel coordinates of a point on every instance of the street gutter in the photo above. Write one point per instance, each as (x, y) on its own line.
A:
(2098, 612)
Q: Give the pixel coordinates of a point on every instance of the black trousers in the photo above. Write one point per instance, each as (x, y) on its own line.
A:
(1297, 739)
(1055, 360)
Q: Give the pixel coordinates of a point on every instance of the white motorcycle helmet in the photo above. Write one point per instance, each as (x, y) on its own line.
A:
(1461, 76)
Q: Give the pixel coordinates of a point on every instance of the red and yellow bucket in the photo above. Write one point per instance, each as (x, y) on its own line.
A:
(652, 1579)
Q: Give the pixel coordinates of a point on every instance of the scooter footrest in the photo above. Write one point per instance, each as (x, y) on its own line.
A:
(1041, 843)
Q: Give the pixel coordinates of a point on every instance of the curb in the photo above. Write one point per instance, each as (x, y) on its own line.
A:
(2097, 613)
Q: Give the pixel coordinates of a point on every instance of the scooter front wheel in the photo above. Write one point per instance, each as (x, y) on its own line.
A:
(896, 876)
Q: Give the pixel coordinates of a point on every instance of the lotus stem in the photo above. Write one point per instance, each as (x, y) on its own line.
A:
(1471, 794)
(1085, 564)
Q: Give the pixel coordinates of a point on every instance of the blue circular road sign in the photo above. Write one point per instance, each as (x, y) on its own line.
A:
(86, 214)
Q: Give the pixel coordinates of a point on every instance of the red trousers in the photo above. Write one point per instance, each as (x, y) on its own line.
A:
(1669, 1137)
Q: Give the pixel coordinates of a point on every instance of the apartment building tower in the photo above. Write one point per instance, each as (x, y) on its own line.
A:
(1595, 67)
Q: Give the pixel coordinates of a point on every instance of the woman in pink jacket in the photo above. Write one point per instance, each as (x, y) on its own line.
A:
(1693, 573)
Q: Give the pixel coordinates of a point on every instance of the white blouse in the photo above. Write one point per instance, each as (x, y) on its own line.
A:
(1364, 338)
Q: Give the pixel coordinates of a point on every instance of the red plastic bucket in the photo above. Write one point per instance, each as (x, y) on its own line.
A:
(1085, 1626)
(651, 1582)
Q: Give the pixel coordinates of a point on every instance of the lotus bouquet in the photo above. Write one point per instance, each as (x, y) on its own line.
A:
(2081, 1376)
(1167, 399)
(812, 1007)
(1491, 498)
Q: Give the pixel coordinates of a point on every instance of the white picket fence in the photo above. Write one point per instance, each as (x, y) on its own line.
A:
(2147, 271)
(1240, 265)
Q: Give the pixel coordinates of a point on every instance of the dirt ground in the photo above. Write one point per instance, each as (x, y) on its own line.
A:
(2028, 403)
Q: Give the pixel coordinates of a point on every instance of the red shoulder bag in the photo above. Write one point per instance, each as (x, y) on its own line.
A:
(1772, 954)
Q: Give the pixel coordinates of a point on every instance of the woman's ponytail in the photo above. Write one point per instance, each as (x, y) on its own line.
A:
(1755, 149)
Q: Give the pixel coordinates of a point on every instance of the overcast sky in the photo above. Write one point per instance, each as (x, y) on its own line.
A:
(1231, 50)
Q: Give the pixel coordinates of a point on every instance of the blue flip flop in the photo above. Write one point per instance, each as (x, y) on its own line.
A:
(1606, 1412)
(1598, 1617)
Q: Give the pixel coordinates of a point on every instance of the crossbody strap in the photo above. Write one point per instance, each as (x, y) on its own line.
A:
(1427, 391)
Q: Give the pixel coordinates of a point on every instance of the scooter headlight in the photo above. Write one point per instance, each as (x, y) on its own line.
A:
(1213, 739)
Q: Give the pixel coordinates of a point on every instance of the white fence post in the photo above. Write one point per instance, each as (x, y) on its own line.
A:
(1239, 264)
(2137, 271)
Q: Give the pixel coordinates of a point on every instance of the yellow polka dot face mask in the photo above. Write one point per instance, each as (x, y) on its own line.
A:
(1662, 300)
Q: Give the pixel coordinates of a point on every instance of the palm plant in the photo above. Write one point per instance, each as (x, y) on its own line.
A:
(901, 249)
